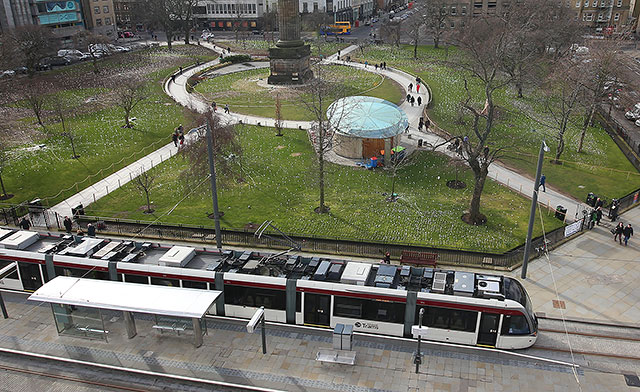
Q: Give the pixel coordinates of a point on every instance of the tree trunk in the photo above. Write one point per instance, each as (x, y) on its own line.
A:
(186, 35)
(73, 148)
(126, 118)
(585, 126)
(415, 49)
(321, 180)
(519, 87)
(4, 191)
(560, 149)
(148, 201)
(475, 217)
(436, 40)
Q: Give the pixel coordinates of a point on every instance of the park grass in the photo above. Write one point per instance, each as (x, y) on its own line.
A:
(102, 144)
(601, 167)
(281, 186)
(243, 94)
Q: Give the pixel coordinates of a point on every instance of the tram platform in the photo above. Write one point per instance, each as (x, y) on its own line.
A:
(232, 355)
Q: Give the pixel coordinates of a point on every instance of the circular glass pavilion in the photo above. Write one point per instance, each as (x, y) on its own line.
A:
(365, 126)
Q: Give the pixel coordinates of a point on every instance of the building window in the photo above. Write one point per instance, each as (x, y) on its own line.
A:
(315, 7)
(619, 3)
(96, 10)
(578, 3)
(453, 10)
(107, 21)
(586, 3)
(601, 3)
(105, 9)
(600, 17)
(98, 22)
(588, 17)
(616, 17)
(464, 10)
(595, 3)
(453, 25)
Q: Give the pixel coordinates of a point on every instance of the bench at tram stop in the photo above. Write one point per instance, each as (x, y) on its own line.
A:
(171, 328)
(418, 258)
(342, 347)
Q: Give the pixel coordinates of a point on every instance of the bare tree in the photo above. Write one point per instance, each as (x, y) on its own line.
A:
(227, 151)
(562, 93)
(145, 182)
(597, 70)
(435, 19)
(414, 31)
(128, 95)
(31, 44)
(4, 161)
(62, 111)
(391, 31)
(157, 13)
(559, 30)
(36, 97)
(181, 13)
(96, 45)
(317, 94)
(484, 42)
(398, 160)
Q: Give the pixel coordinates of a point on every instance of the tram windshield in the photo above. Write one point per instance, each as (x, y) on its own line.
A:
(513, 290)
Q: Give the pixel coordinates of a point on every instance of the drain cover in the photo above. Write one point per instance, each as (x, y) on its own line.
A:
(632, 380)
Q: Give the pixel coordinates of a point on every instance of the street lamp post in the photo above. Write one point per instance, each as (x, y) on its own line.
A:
(418, 358)
(534, 202)
(214, 190)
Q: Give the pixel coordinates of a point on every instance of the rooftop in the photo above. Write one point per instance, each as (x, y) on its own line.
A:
(367, 117)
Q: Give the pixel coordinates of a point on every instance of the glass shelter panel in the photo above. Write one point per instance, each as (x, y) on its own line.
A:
(78, 321)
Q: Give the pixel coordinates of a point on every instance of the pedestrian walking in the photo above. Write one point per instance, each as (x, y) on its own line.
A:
(214, 106)
(181, 138)
(25, 224)
(366, 63)
(413, 100)
(613, 212)
(179, 129)
(418, 88)
(376, 66)
(598, 215)
(180, 69)
(408, 97)
(174, 137)
(229, 50)
(338, 54)
(617, 232)
(599, 203)
(410, 87)
(385, 65)
(387, 258)
(173, 78)
(91, 230)
(419, 101)
(226, 108)
(592, 219)
(628, 233)
(420, 124)
(543, 181)
(68, 225)
(427, 123)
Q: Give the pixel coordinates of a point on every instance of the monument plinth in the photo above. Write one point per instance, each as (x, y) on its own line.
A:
(290, 58)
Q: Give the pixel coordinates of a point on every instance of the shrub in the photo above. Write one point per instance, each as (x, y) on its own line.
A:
(236, 58)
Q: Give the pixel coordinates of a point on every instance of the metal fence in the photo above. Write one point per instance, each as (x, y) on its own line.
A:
(315, 244)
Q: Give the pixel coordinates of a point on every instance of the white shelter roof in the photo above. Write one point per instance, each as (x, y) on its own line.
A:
(128, 297)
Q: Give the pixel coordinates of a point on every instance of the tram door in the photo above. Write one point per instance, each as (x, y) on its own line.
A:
(488, 329)
(30, 274)
(317, 308)
(11, 281)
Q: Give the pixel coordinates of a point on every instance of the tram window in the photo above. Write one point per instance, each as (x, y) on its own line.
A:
(136, 279)
(347, 307)
(515, 325)
(81, 273)
(298, 302)
(165, 282)
(254, 297)
(390, 312)
(14, 274)
(194, 285)
(445, 318)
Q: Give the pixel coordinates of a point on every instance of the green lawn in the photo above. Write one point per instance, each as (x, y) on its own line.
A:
(601, 167)
(243, 94)
(102, 144)
(281, 186)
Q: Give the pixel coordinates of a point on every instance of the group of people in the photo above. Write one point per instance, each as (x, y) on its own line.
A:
(412, 100)
(382, 65)
(178, 136)
(621, 230)
(423, 123)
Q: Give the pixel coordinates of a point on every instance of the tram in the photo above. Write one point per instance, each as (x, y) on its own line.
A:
(459, 307)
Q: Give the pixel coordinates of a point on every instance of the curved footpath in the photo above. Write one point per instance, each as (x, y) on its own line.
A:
(497, 171)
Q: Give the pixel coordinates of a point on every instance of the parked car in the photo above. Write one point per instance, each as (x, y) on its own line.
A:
(69, 52)
(637, 123)
(633, 114)
(125, 34)
(21, 70)
(7, 74)
(55, 61)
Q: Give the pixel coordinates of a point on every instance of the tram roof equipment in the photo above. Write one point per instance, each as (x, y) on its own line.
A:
(20, 240)
(127, 297)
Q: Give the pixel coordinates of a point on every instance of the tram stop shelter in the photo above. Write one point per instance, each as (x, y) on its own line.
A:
(365, 126)
(78, 304)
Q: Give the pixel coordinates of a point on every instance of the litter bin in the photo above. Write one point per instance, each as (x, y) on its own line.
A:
(561, 212)
(337, 336)
(591, 199)
(347, 337)
(419, 142)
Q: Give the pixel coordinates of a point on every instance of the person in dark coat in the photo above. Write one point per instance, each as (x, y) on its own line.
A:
(628, 233)
(419, 101)
(408, 97)
(618, 232)
(25, 224)
(543, 181)
(68, 225)
(413, 100)
(598, 215)
(174, 137)
(387, 258)
(91, 230)
(599, 203)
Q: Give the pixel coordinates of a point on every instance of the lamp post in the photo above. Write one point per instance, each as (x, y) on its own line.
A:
(418, 358)
(534, 202)
(214, 190)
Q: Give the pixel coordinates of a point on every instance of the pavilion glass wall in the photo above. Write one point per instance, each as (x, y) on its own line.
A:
(79, 321)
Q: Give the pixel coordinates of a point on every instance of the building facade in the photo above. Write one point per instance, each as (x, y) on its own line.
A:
(100, 18)
(229, 15)
(15, 13)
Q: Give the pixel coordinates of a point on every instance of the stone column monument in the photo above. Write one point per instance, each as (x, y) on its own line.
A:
(290, 58)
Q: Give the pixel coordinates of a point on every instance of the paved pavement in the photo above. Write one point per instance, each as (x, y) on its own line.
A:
(230, 354)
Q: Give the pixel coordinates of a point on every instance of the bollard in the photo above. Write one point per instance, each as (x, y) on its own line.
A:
(507, 182)
(94, 197)
(119, 183)
(520, 188)
(107, 189)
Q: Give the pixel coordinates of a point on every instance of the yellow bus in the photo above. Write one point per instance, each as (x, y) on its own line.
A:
(338, 28)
